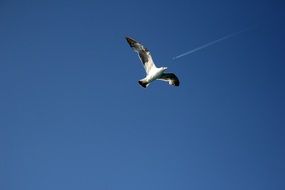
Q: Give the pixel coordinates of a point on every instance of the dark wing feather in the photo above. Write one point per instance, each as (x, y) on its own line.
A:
(171, 78)
(143, 53)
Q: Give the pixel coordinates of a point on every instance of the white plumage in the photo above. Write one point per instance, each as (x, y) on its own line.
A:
(152, 72)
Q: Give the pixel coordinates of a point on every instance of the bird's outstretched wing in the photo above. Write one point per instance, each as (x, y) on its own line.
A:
(143, 53)
(171, 78)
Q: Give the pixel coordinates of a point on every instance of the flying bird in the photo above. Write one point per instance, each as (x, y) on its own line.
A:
(152, 72)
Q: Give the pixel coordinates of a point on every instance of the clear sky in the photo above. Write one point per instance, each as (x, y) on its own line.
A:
(73, 116)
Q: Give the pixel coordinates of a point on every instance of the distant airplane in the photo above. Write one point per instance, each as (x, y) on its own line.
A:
(152, 72)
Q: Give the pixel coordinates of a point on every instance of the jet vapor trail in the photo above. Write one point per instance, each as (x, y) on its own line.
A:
(210, 43)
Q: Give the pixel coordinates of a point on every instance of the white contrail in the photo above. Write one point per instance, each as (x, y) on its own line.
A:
(210, 43)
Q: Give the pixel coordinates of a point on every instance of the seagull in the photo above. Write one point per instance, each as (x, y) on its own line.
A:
(152, 72)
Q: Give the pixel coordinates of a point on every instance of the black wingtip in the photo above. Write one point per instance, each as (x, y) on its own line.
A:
(177, 83)
(130, 40)
(127, 38)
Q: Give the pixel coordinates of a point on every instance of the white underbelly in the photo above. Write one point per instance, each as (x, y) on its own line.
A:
(154, 75)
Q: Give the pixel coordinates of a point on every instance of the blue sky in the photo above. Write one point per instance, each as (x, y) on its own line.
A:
(72, 115)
